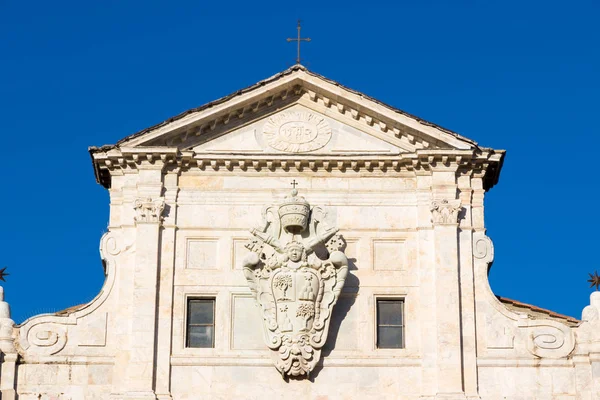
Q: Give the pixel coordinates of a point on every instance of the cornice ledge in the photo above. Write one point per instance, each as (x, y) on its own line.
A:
(446, 152)
(110, 161)
(239, 101)
(365, 105)
(149, 149)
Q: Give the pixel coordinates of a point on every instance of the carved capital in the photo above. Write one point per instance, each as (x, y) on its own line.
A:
(149, 210)
(445, 212)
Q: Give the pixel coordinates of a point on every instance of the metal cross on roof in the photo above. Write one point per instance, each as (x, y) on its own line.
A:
(3, 274)
(299, 39)
(294, 183)
(594, 280)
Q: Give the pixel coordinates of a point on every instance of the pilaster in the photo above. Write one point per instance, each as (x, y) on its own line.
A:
(8, 371)
(467, 289)
(140, 368)
(595, 362)
(445, 209)
(165, 289)
(427, 296)
(583, 377)
(478, 194)
(148, 206)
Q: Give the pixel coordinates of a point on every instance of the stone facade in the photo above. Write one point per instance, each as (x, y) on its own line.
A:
(396, 204)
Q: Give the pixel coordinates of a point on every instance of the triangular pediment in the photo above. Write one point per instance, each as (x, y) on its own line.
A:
(298, 111)
(298, 129)
(295, 118)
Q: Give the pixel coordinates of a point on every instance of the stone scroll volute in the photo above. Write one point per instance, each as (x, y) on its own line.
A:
(547, 338)
(483, 247)
(295, 290)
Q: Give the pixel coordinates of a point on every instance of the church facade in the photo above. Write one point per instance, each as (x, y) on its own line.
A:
(298, 239)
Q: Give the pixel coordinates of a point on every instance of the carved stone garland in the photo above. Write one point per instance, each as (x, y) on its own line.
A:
(295, 289)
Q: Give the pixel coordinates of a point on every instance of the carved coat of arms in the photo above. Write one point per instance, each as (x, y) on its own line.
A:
(295, 289)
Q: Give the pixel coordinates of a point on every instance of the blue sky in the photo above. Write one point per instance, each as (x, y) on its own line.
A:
(514, 75)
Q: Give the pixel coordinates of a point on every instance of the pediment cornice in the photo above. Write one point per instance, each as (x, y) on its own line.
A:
(314, 91)
(421, 146)
(484, 163)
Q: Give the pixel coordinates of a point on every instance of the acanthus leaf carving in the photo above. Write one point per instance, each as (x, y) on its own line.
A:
(149, 210)
(295, 289)
(445, 212)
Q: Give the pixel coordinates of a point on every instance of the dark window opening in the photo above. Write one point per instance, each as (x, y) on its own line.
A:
(200, 323)
(390, 324)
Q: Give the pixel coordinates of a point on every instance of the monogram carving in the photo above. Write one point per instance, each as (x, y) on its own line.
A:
(295, 289)
(296, 132)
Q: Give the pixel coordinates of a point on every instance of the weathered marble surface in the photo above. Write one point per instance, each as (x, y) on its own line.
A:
(407, 197)
(295, 288)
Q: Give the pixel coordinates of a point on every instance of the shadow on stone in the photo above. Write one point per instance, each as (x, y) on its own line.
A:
(340, 311)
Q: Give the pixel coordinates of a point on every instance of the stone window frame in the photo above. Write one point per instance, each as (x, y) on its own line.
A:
(377, 299)
(188, 300)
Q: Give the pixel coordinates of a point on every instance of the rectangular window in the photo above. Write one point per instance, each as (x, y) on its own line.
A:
(390, 324)
(200, 323)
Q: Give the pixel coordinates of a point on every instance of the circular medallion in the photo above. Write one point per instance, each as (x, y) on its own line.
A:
(296, 131)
